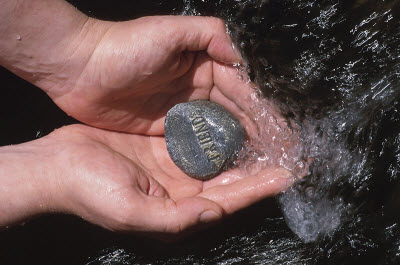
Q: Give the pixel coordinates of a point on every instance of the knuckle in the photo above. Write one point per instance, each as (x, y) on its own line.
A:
(219, 24)
(123, 219)
(174, 228)
(173, 223)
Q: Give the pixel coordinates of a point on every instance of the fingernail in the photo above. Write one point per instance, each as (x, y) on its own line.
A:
(239, 58)
(209, 216)
(237, 53)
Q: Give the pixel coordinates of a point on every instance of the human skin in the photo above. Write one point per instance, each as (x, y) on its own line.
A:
(120, 76)
(123, 77)
(107, 179)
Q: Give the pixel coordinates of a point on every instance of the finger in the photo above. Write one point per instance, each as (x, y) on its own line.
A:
(197, 83)
(245, 119)
(236, 87)
(234, 84)
(260, 113)
(249, 190)
(225, 178)
(209, 34)
(174, 217)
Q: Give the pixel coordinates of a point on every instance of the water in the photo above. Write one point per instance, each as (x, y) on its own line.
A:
(332, 69)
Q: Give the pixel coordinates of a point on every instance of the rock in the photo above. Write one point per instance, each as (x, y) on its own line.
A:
(202, 138)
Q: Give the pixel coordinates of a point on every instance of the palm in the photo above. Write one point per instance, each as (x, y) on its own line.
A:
(151, 154)
(128, 182)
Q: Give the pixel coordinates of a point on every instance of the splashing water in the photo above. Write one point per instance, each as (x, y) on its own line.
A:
(332, 67)
(275, 143)
(328, 72)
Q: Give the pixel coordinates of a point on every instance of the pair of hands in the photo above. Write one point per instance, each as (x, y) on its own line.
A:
(122, 178)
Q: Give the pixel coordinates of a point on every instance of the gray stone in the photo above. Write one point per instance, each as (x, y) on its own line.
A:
(202, 138)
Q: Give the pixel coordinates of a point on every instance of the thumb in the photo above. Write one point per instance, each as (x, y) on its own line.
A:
(208, 34)
(173, 217)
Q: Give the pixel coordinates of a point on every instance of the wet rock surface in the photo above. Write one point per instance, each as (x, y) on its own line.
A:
(202, 138)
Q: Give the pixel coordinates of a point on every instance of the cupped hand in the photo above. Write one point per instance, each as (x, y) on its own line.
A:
(139, 69)
(128, 182)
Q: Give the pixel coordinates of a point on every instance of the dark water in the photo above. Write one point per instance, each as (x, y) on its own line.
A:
(333, 68)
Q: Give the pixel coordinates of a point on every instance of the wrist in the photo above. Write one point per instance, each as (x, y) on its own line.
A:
(75, 52)
(25, 187)
(46, 42)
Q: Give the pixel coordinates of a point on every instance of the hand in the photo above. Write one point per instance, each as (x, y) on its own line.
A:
(140, 69)
(128, 182)
(125, 76)
(121, 76)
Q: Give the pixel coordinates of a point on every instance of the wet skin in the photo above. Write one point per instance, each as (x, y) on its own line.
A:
(123, 77)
